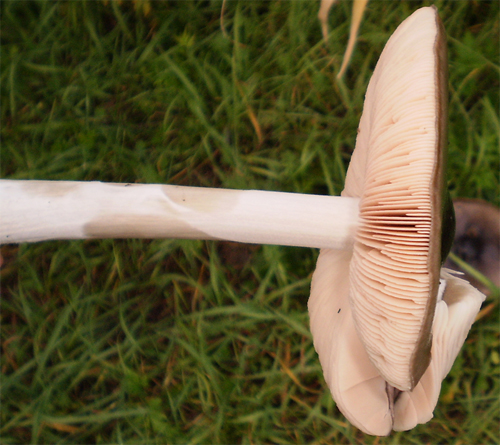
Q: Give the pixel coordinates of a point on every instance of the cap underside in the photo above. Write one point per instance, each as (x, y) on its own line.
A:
(399, 160)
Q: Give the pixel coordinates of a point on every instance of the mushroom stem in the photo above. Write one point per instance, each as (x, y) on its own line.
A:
(49, 210)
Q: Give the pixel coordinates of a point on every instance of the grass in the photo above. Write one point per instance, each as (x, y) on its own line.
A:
(166, 341)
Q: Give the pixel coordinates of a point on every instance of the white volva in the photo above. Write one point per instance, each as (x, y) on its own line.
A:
(356, 385)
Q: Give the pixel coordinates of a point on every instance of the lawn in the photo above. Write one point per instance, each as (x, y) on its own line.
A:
(171, 341)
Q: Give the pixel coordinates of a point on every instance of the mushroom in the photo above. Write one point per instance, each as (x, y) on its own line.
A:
(477, 239)
(374, 302)
(375, 310)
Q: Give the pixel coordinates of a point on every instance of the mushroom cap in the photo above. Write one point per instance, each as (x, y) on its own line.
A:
(397, 171)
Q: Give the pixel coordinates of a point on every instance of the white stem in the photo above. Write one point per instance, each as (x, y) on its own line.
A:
(47, 210)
